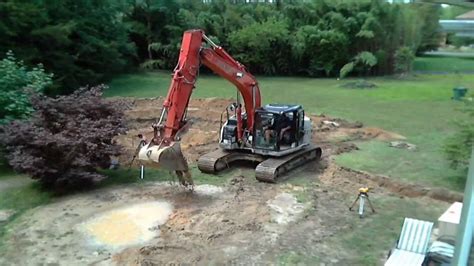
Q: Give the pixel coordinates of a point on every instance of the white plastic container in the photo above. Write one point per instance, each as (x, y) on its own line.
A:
(449, 220)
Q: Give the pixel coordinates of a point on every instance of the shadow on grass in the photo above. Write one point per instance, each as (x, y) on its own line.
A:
(5, 171)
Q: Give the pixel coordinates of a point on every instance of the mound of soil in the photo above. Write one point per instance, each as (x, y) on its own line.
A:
(205, 118)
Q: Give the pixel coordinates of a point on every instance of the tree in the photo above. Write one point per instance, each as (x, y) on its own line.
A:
(82, 42)
(262, 46)
(364, 61)
(318, 50)
(87, 42)
(16, 80)
(430, 31)
(151, 24)
(66, 140)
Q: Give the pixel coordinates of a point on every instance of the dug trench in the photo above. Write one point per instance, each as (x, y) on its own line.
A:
(243, 221)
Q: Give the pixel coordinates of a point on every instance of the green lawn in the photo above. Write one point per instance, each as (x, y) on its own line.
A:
(368, 239)
(444, 63)
(419, 108)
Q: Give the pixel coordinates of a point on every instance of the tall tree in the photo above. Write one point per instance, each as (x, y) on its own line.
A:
(430, 31)
(82, 42)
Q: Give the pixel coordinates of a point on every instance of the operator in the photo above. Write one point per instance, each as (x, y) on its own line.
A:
(285, 126)
(270, 130)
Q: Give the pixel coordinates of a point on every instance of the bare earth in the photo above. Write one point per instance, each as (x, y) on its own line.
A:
(244, 222)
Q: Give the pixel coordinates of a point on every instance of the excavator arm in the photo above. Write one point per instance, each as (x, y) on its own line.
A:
(164, 148)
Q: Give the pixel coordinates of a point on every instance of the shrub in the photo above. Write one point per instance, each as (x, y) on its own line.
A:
(404, 58)
(458, 148)
(363, 61)
(15, 80)
(66, 140)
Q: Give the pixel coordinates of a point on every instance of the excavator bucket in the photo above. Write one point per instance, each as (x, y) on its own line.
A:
(168, 157)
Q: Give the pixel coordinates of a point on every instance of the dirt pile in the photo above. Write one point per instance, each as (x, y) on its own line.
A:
(347, 179)
(204, 115)
(339, 130)
(205, 118)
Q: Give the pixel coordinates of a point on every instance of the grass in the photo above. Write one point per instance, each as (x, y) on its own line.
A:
(19, 199)
(142, 85)
(411, 167)
(296, 258)
(369, 236)
(435, 63)
(420, 108)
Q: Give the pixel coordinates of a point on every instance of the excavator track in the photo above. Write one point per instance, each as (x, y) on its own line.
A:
(219, 160)
(268, 169)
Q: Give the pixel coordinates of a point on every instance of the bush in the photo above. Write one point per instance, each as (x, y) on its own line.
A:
(458, 148)
(261, 46)
(66, 140)
(363, 62)
(15, 80)
(404, 58)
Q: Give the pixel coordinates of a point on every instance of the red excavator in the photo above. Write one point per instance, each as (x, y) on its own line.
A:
(276, 136)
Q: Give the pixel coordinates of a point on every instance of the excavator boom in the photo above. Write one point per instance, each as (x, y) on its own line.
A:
(164, 148)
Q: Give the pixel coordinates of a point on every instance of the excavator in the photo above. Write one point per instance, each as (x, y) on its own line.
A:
(276, 137)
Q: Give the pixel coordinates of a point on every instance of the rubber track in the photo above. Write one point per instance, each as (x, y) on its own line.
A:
(270, 169)
(218, 160)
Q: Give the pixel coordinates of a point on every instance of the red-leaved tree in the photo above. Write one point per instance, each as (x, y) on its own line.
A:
(66, 140)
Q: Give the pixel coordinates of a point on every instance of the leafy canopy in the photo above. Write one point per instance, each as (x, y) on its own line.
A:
(81, 42)
(66, 140)
(16, 82)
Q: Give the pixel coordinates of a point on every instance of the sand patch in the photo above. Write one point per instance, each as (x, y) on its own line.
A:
(285, 208)
(208, 190)
(128, 226)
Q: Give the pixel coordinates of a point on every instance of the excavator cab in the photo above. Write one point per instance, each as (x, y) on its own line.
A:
(278, 128)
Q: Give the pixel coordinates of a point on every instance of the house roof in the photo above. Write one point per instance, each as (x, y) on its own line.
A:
(466, 16)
